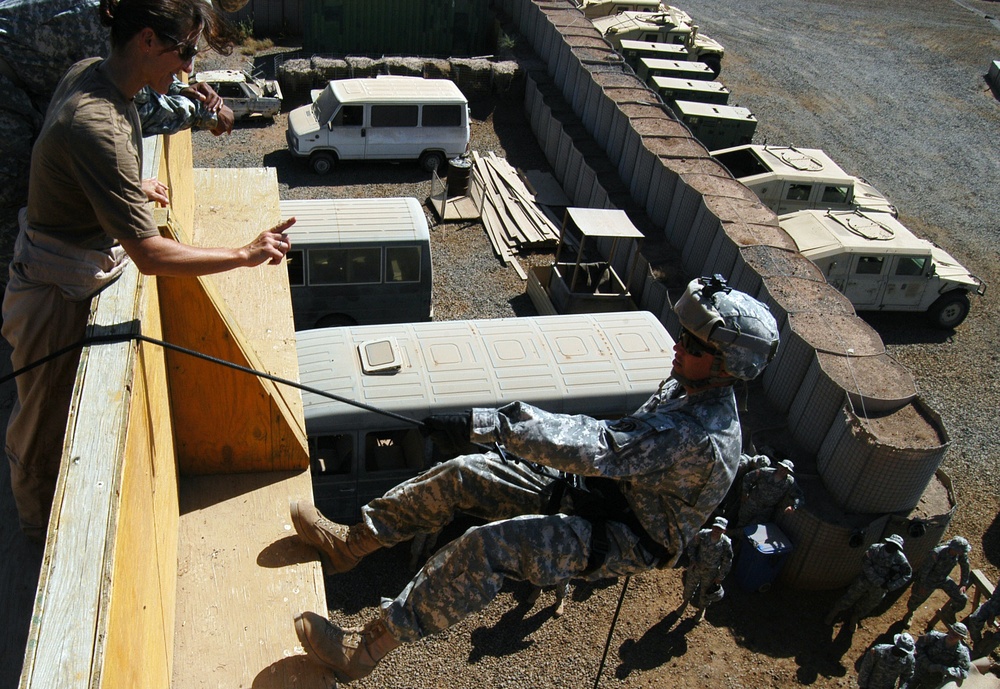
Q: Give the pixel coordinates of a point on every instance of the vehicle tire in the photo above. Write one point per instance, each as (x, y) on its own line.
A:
(714, 63)
(432, 160)
(335, 320)
(322, 162)
(949, 310)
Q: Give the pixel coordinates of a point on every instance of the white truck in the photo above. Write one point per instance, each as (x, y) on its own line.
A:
(880, 265)
(666, 25)
(788, 179)
(244, 93)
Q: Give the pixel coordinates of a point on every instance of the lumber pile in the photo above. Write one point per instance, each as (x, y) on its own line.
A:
(510, 214)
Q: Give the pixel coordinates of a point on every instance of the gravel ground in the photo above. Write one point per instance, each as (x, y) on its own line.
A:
(894, 91)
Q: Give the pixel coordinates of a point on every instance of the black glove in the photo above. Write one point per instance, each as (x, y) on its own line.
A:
(450, 432)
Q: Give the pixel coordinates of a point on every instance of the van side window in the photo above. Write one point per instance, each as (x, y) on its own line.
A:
(869, 265)
(394, 449)
(349, 116)
(442, 116)
(834, 194)
(331, 454)
(345, 266)
(395, 115)
(798, 192)
(296, 268)
(402, 264)
(911, 265)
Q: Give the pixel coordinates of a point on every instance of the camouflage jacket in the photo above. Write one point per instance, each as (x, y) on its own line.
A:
(881, 668)
(934, 656)
(764, 487)
(673, 459)
(886, 568)
(710, 557)
(171, 113)
(938, 565)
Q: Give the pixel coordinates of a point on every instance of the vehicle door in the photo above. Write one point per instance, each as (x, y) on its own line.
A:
(334, 468)
(906, 282)
(393, 132)
(346, 132)
(866, 280)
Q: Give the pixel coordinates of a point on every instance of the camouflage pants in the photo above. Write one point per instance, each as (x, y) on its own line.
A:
(859, 599)
(754, 512)
(697, 583)
(521, 543)
(922, 590)
(978, 619)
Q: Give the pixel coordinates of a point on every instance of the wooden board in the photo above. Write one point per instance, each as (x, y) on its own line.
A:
(227, 420)
(242, 575)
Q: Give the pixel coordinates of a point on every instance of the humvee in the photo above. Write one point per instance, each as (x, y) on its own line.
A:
(603, 8)
(667, 25)
(788, 179)
(880, 265)
(245, 94)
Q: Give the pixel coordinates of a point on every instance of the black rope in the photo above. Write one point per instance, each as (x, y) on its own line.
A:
(611, 631)
(125, 337)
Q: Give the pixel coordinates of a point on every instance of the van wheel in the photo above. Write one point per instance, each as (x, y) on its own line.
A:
(321, 162)
(714, 63)
(949, 310)
(335, 320)
(432, 160)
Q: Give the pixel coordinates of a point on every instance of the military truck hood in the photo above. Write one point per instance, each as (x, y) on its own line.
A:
(302, 121)
(948, 269)
(867, 197)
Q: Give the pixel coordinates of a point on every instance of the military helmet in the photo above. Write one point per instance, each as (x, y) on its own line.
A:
(959, 543)
(739, 326)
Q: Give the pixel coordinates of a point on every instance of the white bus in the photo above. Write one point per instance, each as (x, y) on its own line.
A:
(358, 262)
(601, 364)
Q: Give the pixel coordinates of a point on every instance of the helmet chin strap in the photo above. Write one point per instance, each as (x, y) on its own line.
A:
(714, 379)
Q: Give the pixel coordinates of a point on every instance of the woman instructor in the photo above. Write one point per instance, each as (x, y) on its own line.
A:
(87, 215)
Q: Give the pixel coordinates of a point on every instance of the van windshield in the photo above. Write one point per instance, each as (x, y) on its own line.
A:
(324, 107)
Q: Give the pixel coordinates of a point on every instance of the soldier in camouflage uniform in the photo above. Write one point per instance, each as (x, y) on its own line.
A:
(886, 664)
(884, 568)
(766, 491)
(39, 41)
(941, 657)
(933, 575)
(590, 498)
(985, 614)
(711, 556)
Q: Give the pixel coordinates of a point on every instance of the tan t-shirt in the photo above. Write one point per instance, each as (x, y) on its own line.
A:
(85, 185)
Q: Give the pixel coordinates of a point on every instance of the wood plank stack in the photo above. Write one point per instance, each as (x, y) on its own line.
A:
(512, 218)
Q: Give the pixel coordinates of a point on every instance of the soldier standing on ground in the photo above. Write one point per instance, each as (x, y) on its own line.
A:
(985, 614)
(884, 568)
(886, 664)
(933, 574)
(634, 492)
(941, 657)
(711, 556)
(768, 491)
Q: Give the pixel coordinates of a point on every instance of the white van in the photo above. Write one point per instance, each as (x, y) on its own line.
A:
(358, 261)
(600, 364)
(385, 118)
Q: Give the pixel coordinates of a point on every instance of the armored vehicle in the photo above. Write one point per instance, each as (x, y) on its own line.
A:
(668, 25)
(880, 265)
(245, 94)
(789, 179)
(592, 9)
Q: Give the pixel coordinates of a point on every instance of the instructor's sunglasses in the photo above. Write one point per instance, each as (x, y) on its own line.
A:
(185, 51)
(693, 346)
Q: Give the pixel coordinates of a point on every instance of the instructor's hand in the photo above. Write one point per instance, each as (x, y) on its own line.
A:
(450, 432)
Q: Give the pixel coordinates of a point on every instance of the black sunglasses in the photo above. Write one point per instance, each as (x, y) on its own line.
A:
(693, 346)
(185, 51)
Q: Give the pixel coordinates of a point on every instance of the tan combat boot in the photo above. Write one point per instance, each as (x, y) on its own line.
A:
(342, 547)
(325, 641)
